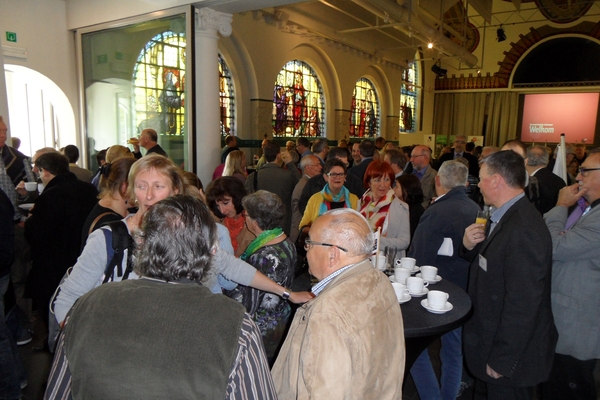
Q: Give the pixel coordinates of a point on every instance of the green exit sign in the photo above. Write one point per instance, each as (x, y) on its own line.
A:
(11, 36)
(102, 59)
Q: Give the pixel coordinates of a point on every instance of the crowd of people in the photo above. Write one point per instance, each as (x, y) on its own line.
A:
(150, 287)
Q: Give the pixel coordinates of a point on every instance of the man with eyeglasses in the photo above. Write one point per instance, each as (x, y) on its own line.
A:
(420, 159)
(348, 341)
(459, 150)
(575, 286)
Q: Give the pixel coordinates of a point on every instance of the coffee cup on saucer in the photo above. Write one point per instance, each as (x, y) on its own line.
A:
(429, 273)
(400, 290)
(401, 274)
(416, 285)
(408, 263)
(379, 262)
(437, 299)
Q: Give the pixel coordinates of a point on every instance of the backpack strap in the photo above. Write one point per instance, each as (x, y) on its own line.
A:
(117, 241)
(98, 218)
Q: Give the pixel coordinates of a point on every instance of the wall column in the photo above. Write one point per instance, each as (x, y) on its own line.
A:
(208, 139)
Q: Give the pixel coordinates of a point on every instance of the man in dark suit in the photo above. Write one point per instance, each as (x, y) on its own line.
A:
(460, 141)
(149, 141)
(54, 227)
(510, 340)
(548, 183)
(444, 223)
(366, 149)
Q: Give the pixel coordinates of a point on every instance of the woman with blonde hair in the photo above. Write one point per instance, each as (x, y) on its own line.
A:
(112, 153)
(235, 165)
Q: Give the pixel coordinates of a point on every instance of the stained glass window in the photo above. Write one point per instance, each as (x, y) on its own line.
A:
(159, 84)
(226, 100)
(364, 111)
(408, 99)
(298, 102)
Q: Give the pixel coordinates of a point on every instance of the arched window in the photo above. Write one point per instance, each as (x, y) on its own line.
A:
(226, 99)
(298, 102)
(364, 111)
(409, 99)
(159, 83)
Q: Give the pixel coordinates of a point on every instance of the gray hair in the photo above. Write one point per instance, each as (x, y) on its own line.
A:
(537, 156)
(453, 174)
(318, 145)
(350, 230)
(265, 208)
(306, 161)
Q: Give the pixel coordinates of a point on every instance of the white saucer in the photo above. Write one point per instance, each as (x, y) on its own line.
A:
(423, 293)
(437, 279)
(415, 269)
(435, 311)
(404, 299)
(392, 279)
(26, 206)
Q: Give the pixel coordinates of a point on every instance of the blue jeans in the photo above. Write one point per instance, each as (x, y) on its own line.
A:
(11, 368)
(452, 365)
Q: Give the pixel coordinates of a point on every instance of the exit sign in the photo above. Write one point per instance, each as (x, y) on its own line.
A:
(11, 36)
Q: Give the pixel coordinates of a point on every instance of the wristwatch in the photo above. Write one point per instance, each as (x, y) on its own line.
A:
(286, 293)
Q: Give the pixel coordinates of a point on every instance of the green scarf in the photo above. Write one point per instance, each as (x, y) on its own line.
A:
(260, 241)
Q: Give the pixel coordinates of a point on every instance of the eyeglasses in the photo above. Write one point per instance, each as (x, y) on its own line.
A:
(460, 141)
(332, 175)
(418, 155)
(309, 243)
(584, 171)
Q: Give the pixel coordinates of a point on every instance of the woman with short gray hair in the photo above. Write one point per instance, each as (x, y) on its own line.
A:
(273, 254)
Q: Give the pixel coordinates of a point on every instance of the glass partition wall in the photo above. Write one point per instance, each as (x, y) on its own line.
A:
(135, 76)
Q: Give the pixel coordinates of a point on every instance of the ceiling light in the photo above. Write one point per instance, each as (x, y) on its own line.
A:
(430, 45)
(501, 35)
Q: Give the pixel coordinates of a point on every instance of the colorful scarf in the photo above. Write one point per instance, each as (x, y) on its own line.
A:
(262, 239)
(328, 198)
(234, 226)
(376, 212)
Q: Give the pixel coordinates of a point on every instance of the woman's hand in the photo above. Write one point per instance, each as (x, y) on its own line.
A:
(301, 297)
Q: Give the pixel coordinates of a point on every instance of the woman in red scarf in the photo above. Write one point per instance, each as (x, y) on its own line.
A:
(224, 197)
(383, 209)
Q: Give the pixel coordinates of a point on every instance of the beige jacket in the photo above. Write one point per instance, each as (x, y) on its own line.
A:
(347, 343)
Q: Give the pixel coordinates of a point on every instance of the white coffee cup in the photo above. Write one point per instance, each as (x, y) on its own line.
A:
(401, 274)
(401, 290)
(408, 263)
(31, 186)
(428, 272)
(437, 299)
(40, 187)
(416, 285)
(379, 262)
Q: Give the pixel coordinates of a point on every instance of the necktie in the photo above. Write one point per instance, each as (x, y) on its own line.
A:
(577, 213)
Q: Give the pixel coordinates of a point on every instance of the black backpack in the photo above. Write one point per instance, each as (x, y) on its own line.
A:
(117, 242)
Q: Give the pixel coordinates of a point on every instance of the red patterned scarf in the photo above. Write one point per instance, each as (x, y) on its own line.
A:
(375, 212)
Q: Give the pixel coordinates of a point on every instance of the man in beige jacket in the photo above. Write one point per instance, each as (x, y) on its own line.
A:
(348, 342)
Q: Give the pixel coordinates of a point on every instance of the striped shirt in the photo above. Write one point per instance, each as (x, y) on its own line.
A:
(318, 288)
(250, 377)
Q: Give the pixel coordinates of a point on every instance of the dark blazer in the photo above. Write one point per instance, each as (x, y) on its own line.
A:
(473, 163)
(54, 231)
(512, 328)
(7, 234)
(549, 185)
(156, 149)
(360, 169)
(317, 183)
(447, 217)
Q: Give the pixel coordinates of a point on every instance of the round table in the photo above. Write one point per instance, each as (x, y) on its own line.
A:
(421, 327)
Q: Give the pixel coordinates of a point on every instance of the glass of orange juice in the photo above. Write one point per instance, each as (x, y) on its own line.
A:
(482, 218)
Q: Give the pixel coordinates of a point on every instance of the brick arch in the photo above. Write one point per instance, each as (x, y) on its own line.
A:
(501, 79)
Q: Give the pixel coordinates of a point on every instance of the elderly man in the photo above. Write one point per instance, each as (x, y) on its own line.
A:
(53, 228)
(149, 141)
(348, 342)
(549, 183)
(310, 166)
(509, 342)
(367, 150)
(575, 294)
(272, 178)
(437, 241)
(209, 347)
(459, 150)
(420, 158)
(355, 154)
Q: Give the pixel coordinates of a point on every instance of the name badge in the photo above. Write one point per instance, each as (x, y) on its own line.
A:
(482, 263)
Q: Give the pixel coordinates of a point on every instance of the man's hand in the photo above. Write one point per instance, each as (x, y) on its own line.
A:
(474, 234)
(569, 195)
(491, 372)
(20, 188)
